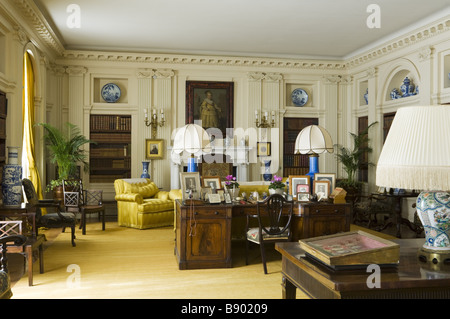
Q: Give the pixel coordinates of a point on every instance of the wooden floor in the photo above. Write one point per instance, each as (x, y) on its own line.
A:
(129, 263)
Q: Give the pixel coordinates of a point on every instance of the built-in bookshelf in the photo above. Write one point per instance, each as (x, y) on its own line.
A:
(110, 156)
(295, 164)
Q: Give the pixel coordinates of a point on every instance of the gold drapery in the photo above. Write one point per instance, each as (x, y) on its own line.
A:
(28, 122)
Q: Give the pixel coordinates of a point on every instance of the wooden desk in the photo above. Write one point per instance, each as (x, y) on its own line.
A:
(411, 279)
(203, 232)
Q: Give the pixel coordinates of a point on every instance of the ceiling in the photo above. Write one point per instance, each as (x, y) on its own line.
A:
(331, 29)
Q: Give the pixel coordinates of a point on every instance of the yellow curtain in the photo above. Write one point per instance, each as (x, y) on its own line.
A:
(28, 121)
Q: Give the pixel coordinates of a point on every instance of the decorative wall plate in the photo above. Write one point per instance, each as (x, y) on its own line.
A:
(111, 93)
(299, 97)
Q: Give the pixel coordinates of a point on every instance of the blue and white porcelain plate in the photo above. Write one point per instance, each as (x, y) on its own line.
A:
(111, 93)
(299, 97)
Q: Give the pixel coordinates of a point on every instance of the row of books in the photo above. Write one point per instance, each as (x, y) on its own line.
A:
(110, 138)
(296, 160)
(110, 122)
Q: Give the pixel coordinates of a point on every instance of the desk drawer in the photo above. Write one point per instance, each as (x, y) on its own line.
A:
(206, 212)
(327, 210)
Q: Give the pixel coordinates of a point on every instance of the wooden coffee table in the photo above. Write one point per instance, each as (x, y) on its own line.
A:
(410, 279)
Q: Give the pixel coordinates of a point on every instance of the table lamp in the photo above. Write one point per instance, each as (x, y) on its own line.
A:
(313, 140)
(416, 155)
(193, 139)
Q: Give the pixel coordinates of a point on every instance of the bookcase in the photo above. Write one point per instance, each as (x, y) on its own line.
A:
(295, 164)
(110, 157)
(3, 111)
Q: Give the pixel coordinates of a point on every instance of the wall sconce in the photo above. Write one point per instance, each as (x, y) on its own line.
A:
(154, 122)
(264, 123)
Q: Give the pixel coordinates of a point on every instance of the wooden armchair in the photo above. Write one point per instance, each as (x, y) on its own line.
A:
(50, 220)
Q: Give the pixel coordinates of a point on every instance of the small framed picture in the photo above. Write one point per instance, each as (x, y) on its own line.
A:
(303, 197)
(263, 149)
(205, 192)
(211, 181)
(154, 149)
(322, 189)
(227, 198)
(327, 177)
(294, 181)
(302, 188)
(190, 185)
(221, 193)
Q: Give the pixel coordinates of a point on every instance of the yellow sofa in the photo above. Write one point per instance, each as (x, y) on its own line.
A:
(141, 204)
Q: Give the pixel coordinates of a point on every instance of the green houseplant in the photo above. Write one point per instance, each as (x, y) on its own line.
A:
(352, 158)
(65, 151)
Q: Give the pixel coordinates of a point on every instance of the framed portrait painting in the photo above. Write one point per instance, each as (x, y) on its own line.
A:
(212, 104)
(211, 181)
(154, 149)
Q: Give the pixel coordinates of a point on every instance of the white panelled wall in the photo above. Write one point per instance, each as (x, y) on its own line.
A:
(72, 81)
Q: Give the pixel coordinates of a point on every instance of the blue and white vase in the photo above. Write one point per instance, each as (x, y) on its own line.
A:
(407, 88)
(267, 175)
(145, 173)
(11, 179)
(433, 209)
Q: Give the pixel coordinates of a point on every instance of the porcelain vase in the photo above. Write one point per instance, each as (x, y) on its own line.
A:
(276, 191)
(433, 209)
(234, 192)
(11, 179)
(267, 175)
(145, 173)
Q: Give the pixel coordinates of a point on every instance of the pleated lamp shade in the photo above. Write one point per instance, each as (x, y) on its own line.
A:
(193, 139)
(416, 153)
(313, 139)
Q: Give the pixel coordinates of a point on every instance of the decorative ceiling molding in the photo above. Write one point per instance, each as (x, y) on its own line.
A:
(409, 39)
(39, 24)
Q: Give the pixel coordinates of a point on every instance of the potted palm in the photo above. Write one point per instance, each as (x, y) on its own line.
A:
(352, 159)
(65, 151)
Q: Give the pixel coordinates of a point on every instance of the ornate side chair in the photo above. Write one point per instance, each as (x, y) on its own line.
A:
(79, 200)
(49, 220)
(274, 216)
(5, 282)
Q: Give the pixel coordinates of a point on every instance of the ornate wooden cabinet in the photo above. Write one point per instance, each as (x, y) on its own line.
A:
(203, 236)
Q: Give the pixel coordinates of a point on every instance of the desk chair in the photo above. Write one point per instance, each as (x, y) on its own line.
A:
(79, 200)
(49, 220)
(5, 282)
(274, 216)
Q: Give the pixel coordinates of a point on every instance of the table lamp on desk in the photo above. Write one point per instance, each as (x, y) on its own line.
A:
(194, 140)
(313, 140)
(416, 155)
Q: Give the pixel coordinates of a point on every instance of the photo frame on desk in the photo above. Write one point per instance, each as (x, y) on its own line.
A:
(327, 177)
(294, 181)
(190, 184)
(212, 181)
(322, 189)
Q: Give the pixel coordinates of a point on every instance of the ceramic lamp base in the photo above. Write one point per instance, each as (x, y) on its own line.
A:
(313, 167)
(433, 210)
(192, 165)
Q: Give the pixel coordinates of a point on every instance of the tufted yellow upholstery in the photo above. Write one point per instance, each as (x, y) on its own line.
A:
(140, 203)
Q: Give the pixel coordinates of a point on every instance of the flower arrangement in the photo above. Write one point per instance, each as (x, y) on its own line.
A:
(231, 182)
(276, 183)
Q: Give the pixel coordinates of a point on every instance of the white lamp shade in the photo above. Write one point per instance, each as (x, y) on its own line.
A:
(416, 153)
(313, 139)
(191, 138)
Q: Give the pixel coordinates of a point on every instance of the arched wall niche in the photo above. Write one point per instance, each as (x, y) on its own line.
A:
(395, 75)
